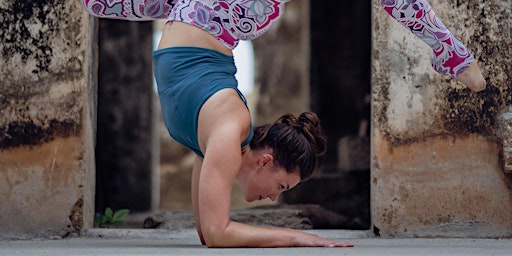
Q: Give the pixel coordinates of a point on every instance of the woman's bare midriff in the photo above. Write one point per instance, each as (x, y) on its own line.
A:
(182, 34)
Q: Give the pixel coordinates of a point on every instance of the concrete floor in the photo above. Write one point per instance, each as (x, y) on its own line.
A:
(185, 242)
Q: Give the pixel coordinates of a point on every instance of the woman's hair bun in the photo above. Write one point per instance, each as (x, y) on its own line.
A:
(311, 128)
(308, 124)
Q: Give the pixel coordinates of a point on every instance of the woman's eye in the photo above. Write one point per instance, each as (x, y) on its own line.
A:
(281, 187)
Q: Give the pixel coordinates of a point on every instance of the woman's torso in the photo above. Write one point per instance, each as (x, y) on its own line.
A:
(183, 34)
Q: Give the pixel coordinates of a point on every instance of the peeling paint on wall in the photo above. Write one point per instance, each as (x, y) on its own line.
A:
(76, 215)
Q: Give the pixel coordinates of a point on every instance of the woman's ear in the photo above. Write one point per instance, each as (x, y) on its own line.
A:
(264, 159)
(267, 158)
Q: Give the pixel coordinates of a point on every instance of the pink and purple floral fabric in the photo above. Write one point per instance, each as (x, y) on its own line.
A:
(450, 56)
(129, 9)
(233, 20)
(228, 20)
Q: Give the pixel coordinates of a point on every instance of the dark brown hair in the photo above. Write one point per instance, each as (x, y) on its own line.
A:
(296, 142)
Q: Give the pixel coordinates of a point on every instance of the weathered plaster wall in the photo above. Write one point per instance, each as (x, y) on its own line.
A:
(437, 149)
(505, 126)
(46, 118)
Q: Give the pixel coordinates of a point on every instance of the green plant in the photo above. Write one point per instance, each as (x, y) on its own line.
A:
(111, 218)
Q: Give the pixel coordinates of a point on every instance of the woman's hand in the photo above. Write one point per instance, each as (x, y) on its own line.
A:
(313, 240)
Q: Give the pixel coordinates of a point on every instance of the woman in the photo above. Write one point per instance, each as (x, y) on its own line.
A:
(203, 109)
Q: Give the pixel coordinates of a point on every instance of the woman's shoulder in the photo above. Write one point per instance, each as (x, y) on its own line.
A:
(225, 113)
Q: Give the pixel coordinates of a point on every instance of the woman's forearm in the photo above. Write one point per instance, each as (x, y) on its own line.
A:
(242, 235)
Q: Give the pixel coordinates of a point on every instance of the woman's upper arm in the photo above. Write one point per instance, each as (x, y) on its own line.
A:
(219, 168)
(223, 124)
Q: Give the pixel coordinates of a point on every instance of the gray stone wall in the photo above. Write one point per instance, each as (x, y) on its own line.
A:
(436, 151)
(47, 94)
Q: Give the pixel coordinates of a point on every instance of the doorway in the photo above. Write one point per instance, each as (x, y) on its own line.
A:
(340, 95)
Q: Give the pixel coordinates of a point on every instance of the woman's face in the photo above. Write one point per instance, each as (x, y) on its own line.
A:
(268, 182)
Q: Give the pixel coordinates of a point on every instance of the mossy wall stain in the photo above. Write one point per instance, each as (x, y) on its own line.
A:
(42, 65)
(29, 30)
(28, 133)
(490, 42)
(464, 113)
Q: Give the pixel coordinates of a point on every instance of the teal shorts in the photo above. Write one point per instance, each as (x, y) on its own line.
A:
(186, 77)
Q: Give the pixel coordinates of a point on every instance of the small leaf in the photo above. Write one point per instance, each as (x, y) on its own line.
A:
(119, 215)
(109, 212)
(106, 219)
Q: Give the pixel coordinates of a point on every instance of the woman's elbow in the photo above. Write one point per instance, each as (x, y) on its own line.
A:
(215, 238)
(211, 242)
(201, 238)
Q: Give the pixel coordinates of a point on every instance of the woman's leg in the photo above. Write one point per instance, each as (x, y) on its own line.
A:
(450, 56)
(129, 9)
